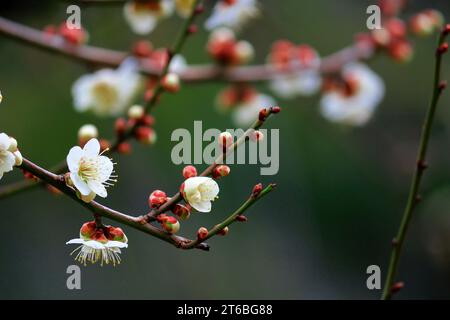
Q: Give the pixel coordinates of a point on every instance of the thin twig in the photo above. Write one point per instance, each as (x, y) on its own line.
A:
(414, 197)
(232, 218)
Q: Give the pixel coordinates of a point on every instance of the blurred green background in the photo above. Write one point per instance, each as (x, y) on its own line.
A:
(340, 196)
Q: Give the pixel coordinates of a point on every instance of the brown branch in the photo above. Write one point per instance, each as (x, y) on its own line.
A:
(96, 208)
(194, 73)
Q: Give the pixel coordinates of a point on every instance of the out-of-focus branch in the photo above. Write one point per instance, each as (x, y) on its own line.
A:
(414, 197)
(58, 42)
(194, 73)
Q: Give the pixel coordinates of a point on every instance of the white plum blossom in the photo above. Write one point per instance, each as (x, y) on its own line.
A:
(99, 244)
(10, 156)
(356, 104)
(247, 112)
(199, 192)
(232, 13)
(144, 16)
(90, 171)
(107, 92)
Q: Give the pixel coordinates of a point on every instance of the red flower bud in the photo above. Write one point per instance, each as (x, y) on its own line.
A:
(142, 48)
(221, 171)
(104, 144)
(181, 211)
(396, 287)
(189, 172)
(275, 110)
(223, 232)
(263, 114)
(401, 51)
(171, 82)
(170, 224)
(124, 148)
(120, 126)
(145, 135)
(74, 36)
(192, 29)
(257, 189)
(202, 233)
(443, 48)
(241, 218)
(157, 198)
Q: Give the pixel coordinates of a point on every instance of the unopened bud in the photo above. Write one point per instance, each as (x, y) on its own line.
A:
(221, 171)
(104, 145)
(120, 126)
(189, 172)
(157, 198)
(443, 48)
(124, 148)
(257, 189)
(241, 218)
(136, 112)
(397, 287)
(275, 110)
(401, 51)
(169, 223)
(181, 211)
(223, 232)
(263, 114)
(145, 135)
(171, 82)
(142, 48)
(244, 51)
(86, 133)
(192, 29)
(202, 233)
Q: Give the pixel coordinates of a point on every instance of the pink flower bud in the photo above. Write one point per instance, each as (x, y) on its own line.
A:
(257, 189)
(124, 148)
(225, 139)
(169, 223)
(171, 82)
(86, 133)
(142, 49)
(221, 171)
(74, 36)
(202, 233)
(189, 172)
(223, 232)
(120, 126)
(145, 135)
(241, 218)
(181, 211)
(157, 198)
(263, 114)
(401, 51)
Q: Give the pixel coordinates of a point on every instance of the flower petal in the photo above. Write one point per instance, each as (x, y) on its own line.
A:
(76, 241)
(73, 158)
(98, 188)
(94, 244)
(4, 141)
(79, 184)
(204, 206)
(92, 148)
(116, 244)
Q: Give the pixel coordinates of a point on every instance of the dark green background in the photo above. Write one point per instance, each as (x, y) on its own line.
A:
(341, 190)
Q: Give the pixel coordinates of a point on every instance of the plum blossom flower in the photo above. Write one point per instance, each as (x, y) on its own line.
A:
(232, 13)
(107, 91)
(90, 171)
(10, 156)
(99, 244)
(284, 56)
(354, 100)
(199, 192)
(144, 16)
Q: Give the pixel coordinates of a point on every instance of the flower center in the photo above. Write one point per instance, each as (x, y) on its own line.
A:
(88, 169)
(105, 95)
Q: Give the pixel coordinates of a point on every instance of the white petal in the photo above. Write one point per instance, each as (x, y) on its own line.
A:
(106, 168)
(202, 206)
(98, 188)
(7, 161)
(75, 241)
(141, 21)
(94, 244)
(92, 148)
(192, 184)
(116, 244)
(73, 158)
(79, 184)
(4, 141)
(209, 190)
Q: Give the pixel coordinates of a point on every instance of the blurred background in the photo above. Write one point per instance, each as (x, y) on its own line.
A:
(341, 191)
